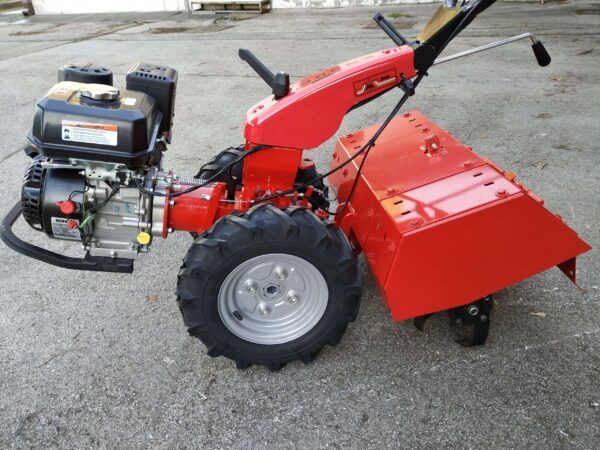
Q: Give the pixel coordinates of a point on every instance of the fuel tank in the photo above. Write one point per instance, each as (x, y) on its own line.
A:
(439, 225)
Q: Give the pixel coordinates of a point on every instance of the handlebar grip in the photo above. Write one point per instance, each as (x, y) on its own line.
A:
(541, 54)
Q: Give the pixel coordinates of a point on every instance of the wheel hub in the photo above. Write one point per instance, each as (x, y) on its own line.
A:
(273, 298)
(272, 290)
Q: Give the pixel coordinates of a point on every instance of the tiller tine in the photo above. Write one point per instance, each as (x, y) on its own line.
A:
(419, 322)
(469, 323)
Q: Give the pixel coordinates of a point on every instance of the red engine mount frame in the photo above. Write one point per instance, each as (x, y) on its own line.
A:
(309, 115)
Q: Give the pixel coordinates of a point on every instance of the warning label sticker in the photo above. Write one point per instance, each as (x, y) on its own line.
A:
(90, 133)
(60, 228)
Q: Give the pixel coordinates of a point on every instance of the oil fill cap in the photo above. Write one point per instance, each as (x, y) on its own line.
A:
(99, 92)
(143, 238)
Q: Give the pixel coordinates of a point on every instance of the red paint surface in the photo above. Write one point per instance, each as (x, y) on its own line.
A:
(443, 227)
(315, 107)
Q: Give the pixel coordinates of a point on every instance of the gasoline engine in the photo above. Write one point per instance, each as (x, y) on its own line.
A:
(96, 158)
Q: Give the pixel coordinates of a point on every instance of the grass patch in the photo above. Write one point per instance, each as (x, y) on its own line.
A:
(398, 15)
(9, 4)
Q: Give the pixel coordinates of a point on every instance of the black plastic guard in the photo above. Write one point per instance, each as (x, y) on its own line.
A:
(98, 264)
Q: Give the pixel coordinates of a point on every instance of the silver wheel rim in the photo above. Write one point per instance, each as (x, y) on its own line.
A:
(273, 298)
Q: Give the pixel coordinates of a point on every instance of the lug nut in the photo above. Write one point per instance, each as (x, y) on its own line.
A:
(250, 286)
(281, 273)
(473, 310)
(293, 299)
(264, 309)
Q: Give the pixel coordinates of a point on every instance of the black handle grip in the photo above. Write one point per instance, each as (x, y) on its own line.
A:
(279, 82)
(542, 56)
(389, 29)
(262, 70)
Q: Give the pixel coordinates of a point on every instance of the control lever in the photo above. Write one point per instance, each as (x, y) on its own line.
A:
(279, 82)
(542, 56)
(389, 29)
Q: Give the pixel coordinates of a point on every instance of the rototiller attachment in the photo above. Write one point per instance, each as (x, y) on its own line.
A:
(273, 274)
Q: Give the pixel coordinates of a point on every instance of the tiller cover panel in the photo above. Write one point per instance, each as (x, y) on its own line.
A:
(441, 226)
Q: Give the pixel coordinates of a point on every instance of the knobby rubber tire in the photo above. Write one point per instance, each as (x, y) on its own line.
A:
(222, 159)
(265, 229)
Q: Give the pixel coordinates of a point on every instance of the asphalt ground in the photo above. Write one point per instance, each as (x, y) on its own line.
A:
(101, 360)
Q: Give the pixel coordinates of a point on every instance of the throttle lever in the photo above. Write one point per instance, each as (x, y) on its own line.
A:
(389, 29)
(279, 82)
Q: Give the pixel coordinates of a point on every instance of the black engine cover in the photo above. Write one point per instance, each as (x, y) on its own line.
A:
(68, 124)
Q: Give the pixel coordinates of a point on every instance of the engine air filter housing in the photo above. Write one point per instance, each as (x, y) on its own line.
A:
(161, 84)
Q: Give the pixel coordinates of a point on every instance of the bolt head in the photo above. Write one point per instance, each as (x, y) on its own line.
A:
(483, 318)
(501, 193)
(293, 299)
(281, 273)
(473, 310)
(264, 309)
(250, 286)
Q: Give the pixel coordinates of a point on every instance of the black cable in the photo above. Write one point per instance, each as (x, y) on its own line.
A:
(101, 205)
(78, 192)
(208, 181)
(364, 149)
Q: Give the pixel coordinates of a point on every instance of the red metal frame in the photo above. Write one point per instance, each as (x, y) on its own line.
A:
(315, 107)
(439, 225)
(303, 119)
